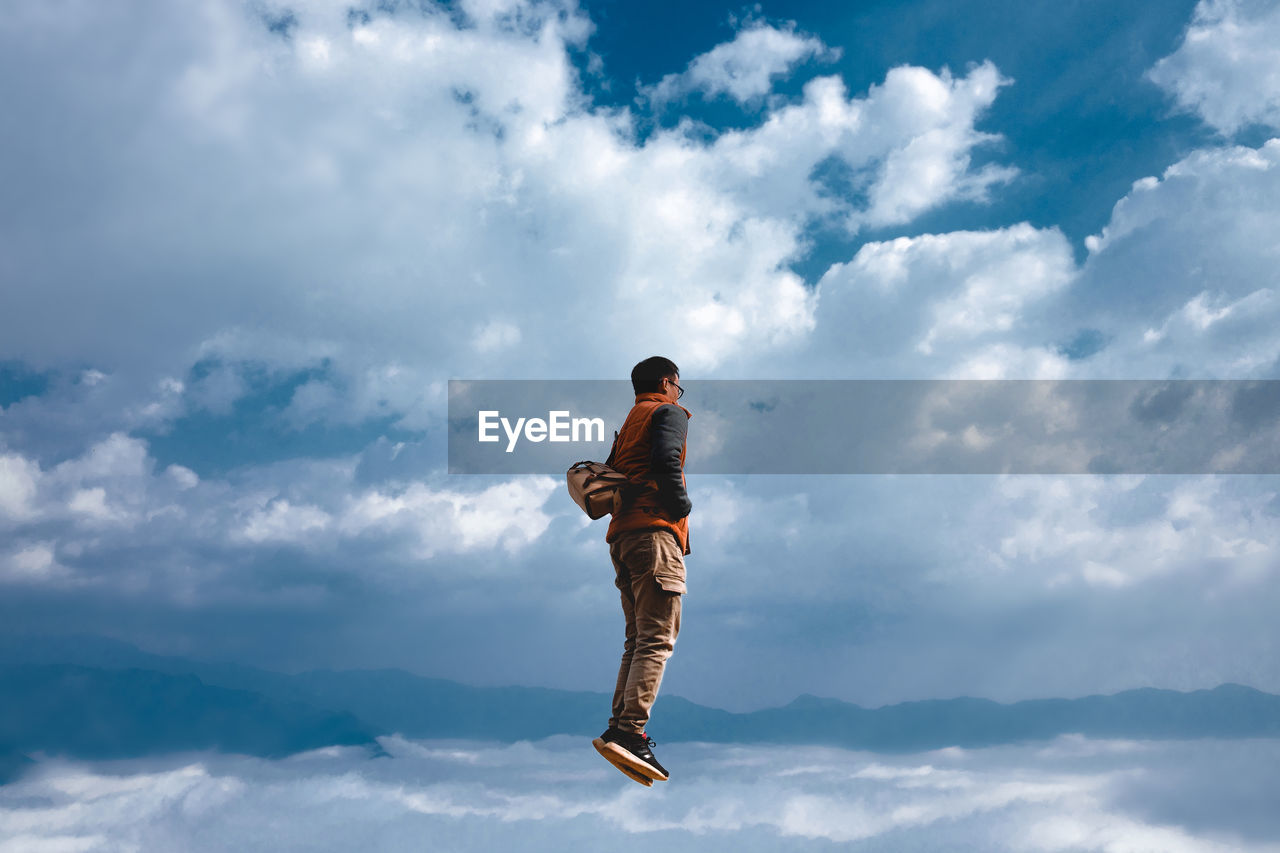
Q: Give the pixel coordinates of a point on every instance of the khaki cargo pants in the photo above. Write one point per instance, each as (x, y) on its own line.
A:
(649, 569)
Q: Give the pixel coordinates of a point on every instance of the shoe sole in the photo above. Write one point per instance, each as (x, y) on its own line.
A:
(626, 762)
(609, 755)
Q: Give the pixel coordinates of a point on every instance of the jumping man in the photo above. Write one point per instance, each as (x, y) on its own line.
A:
(648, 538)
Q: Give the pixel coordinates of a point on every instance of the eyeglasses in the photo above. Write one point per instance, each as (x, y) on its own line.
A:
(679, 390)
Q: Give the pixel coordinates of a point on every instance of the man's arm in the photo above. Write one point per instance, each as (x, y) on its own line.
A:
(667, 432)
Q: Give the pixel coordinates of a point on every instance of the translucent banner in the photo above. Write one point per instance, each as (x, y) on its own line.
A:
(885, 426)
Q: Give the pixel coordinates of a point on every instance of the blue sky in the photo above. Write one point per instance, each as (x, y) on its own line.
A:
(245, 246)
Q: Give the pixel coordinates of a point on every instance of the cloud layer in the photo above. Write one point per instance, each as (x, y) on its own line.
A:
(1071, 795)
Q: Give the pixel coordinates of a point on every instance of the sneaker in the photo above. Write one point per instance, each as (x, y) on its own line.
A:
(632, 751)
(613, 758)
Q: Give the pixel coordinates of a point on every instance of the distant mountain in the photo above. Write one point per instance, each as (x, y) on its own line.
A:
(91, 698)
(1227, 711)
(97, 713)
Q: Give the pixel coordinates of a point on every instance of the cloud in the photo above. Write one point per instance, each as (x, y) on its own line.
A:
(280, 521)
(552, 795)
(1070, 530)
(496, 335)
(508, 515)
(18, 477)
(743, 69)
(112, 499)
(1177, 284)
(1192, 248)
(372, 194)
(106, 486)
(1009, 588)
(1225, 70)
(875, 161)
(32, 563)
(375, 569)
(963, 304)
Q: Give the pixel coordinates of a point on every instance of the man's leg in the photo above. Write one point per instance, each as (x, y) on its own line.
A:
(622, 579)
(655, 569)
(650, 579)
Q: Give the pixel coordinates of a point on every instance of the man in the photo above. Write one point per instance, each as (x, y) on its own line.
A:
(648, 537)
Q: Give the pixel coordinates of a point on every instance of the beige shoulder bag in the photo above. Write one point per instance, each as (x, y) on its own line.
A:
(597, 487)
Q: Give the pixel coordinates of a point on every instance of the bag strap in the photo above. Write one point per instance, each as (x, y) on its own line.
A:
(612, 450)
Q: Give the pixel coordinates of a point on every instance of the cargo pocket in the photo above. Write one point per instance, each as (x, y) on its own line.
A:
(668, 569)
(671, 581)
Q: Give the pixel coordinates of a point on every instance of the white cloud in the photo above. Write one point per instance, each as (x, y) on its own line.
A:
(915, 587)
(934, 166)
(956, 304)
(1181, 280)
(509, 515)
(118, 455)
(93, 503)
(1179, 283)
(1011, 361)
(112, 498)
(1227, 68)
(552, 795)
(309, 400)
(107, 484)
(281, 521)
(496, 335)
(744, 68)
(1066, 530)
(35, 563)
(902, 150)
(434, 184)
(18, 477)
(1117, 834)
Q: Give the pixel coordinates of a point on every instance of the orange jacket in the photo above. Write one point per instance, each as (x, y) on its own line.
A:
(642, 510)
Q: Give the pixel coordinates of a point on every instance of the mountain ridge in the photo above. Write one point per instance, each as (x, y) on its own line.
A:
(112, 700)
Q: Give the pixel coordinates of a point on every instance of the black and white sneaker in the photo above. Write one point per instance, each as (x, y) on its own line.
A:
(634, 752)
(605, 749)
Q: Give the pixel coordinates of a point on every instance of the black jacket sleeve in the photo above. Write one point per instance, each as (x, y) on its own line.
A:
(667, 433)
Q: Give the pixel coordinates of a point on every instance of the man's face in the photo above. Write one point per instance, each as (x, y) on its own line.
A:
(671, 387)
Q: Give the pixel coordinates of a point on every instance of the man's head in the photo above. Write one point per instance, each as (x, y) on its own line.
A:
(656, 375)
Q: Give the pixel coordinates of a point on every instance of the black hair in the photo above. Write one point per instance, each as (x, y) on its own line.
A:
(648, 374)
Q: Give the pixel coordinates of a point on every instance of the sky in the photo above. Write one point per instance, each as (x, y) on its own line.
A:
(244, 247)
